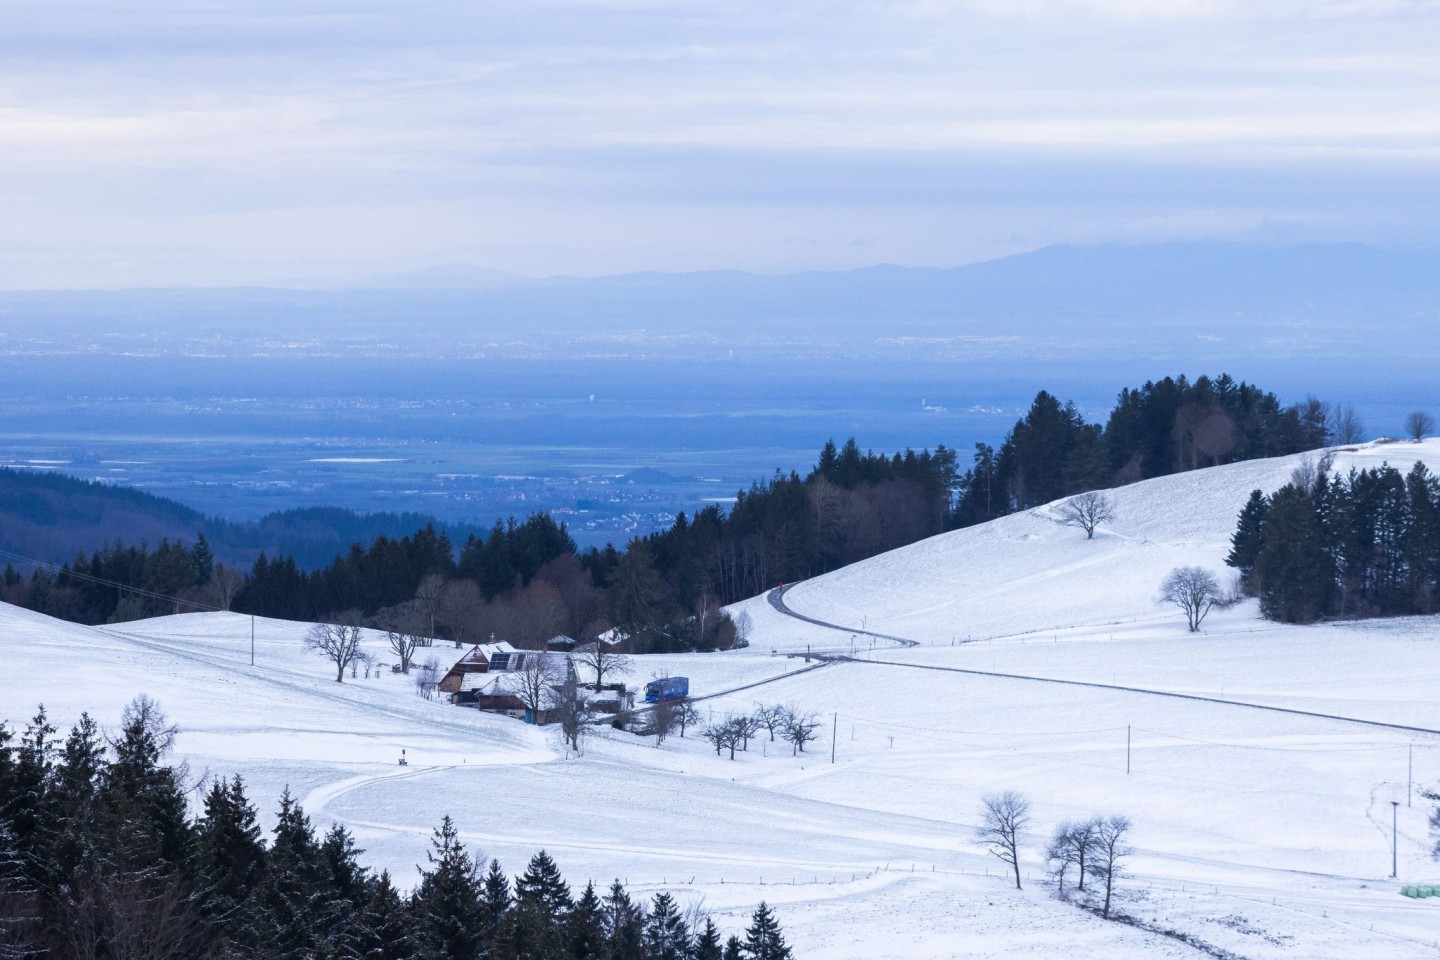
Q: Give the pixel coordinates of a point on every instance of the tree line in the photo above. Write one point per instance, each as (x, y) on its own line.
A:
(1365, 544)
(526, 582)
(100, 858)
(1164, 427)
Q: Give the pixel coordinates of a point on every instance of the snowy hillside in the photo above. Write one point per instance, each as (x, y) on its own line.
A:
(1258, 831)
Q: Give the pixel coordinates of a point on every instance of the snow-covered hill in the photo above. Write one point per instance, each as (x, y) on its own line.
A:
(1261, 832)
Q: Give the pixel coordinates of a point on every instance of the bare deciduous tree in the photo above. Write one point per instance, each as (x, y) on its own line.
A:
(1344, 425)
(1071, 845)
(337, 642)
(533, 683)
(743, 625)
(427, 679)
(1109, 849)
(1087, 511)
(1194, 590)
(772, 717)
(404, 626)
(663, 719)
(1003, 817)
(685, 715)
(1418, 425)
(459, 607)
(224, 584)
(427, 598)
(722, 735)
(604, 659)
(800, 729)
(571, 708)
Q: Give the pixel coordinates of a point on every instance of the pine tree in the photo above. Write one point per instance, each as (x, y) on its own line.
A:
(495, 898)
(230, 851)
(708, 945)
(586, 927)
(763, 940)
(383, 925)
(666, 937)
(1249, 540)
(734, 949)
(624, 925)
(450, 920)
(1294, 572)
(542, 885)
(293, 893)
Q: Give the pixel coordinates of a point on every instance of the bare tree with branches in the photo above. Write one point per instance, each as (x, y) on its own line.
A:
(1003, 817)
(800, 729)
(722, 735)
(772, 717)
(1194, 590)
(604, 659)
(1072, 845)
(1087, 511)
(533, 683)
(337, 642)
(1109, 849)
(427, 679)
(1418, 425)
(571, 709)
(404, 626)
(458, 607)
(663, 719)
(1344, 426)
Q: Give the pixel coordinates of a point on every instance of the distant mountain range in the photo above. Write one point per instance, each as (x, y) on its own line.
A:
(1343, 297)
(51, 517)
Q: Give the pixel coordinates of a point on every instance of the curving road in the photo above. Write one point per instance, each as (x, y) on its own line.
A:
(777, 600)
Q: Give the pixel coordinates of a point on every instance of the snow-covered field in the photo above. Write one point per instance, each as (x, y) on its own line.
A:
(1263, 833)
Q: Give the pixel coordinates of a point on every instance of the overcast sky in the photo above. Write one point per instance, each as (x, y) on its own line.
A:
(163, 142)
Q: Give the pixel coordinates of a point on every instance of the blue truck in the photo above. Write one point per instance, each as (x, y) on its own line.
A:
(668, 688)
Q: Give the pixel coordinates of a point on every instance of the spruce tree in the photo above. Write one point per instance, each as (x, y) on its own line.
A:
(734, 949)
(1248, 540)
(382, 929)
(624, 925)
(293, 893)
(586, 927)
(495, 898)
(708, 945)
(763, 940)
(450, 920)
(230, 851)
(666, 936)
(1295, 576)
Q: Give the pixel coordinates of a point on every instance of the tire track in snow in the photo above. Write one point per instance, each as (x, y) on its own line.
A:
(776, 598)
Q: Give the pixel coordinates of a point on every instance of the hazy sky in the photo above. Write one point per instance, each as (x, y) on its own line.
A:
(209, 142)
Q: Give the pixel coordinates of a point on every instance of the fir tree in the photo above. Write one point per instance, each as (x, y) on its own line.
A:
(624, 925)
(666, 937)
(763, 940)
(450, 920)
(230, 853)
(708, 945)
(586, 927)
(383, 926)
(734, 949)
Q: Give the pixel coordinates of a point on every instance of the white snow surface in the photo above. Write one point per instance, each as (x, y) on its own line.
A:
(1259, 832)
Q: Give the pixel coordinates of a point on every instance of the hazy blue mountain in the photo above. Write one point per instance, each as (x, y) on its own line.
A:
(50, 517)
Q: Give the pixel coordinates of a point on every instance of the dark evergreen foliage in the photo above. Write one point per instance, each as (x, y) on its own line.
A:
(1365, 544)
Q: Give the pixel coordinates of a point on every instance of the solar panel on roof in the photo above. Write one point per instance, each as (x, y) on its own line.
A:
(500, 661)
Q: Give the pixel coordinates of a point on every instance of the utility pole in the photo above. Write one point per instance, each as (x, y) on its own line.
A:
(834, 726)
(1394, 837)
(1127, 749)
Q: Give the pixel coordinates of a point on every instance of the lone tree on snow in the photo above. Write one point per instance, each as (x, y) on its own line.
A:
(1192, 589)
(1002, 817)
(1418, 425)
(337, 642)
(1087, 511)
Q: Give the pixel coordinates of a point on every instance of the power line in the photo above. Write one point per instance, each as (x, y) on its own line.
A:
(63, 570)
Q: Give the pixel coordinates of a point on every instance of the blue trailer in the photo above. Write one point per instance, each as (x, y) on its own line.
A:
(669, 688)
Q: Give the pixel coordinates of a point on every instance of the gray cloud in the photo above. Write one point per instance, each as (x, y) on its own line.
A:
(241, 142)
